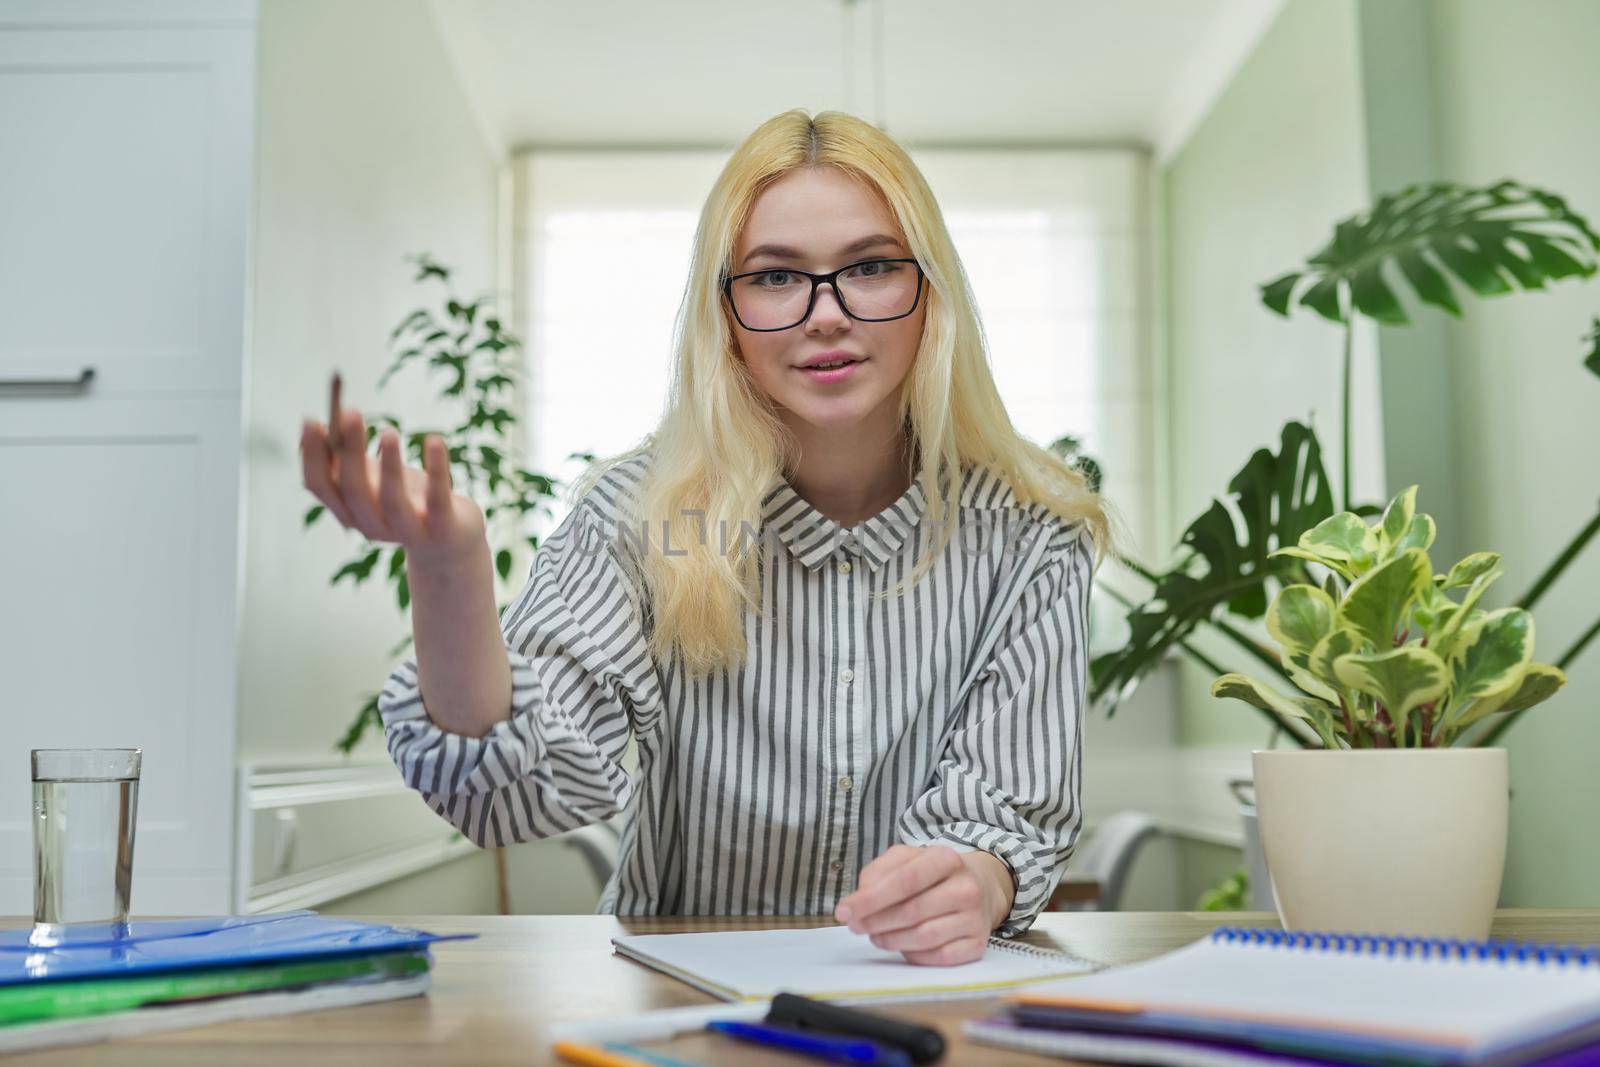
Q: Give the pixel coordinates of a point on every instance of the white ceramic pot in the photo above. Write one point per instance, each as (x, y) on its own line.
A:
(1385, 841)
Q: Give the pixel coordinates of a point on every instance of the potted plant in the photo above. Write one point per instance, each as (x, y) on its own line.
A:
(1433, 244)
(1390, 825)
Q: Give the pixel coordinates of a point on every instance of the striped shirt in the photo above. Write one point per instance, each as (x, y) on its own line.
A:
(951, 714)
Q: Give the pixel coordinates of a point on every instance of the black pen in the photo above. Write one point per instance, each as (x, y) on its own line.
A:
(924, 1044)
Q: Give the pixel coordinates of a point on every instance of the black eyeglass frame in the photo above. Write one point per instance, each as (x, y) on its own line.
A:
(817, 280)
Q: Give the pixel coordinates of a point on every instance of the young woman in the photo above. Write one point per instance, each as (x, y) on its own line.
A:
(835, 598)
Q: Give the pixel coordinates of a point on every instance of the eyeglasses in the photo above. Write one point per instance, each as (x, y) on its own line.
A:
(779, 298)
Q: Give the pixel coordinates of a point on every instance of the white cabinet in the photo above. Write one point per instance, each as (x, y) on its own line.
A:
(126, 138)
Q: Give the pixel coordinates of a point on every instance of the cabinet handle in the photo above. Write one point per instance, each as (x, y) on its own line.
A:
(80, 384)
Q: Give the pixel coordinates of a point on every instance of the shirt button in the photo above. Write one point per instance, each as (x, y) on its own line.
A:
(847, 676)
(844, 566)
(836, 866)
(846, 784)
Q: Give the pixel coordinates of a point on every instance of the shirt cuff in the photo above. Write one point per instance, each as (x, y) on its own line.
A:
(1033, 884)
(441, 763)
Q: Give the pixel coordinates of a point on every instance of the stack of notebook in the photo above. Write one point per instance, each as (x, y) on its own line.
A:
(1255, 997)
(99, 981)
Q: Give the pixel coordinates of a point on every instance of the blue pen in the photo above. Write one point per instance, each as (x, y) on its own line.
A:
(833, 1049)
(644, 1055)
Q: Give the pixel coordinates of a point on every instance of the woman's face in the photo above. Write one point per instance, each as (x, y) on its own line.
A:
(824, 219)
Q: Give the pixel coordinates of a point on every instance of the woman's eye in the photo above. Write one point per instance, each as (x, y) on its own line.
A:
(774, 278)
(874, 269)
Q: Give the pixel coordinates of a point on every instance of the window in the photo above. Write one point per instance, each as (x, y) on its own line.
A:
(1053, 240)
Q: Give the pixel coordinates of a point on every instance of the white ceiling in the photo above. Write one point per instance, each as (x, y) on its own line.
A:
(652, 72)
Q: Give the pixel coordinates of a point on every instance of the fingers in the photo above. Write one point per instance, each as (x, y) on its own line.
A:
(893, 857)
(965, 950)
(355, 477)
(927, 867)
(436, 461)
(957, 892)
(316, 470)
(379, 497)
(927, 936)
(394, 498)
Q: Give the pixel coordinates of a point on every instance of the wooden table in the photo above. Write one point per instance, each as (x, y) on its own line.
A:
(494, 998)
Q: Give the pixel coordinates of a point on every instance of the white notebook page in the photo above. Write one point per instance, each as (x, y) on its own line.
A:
(1469, 1002)
(831, 961)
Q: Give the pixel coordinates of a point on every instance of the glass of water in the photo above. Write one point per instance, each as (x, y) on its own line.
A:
(85, 804)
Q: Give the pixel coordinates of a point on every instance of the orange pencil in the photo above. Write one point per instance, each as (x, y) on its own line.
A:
(590, 1056)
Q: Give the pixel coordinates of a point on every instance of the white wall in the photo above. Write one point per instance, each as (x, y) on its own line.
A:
(1516, 87)
(1255, 190)
(367, 152)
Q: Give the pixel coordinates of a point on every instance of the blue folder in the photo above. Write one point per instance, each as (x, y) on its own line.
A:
(146, 946)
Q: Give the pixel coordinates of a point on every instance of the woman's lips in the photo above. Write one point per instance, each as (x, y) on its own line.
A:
(832, 374)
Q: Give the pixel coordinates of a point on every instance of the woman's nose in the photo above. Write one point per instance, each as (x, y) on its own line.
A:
(827, 309)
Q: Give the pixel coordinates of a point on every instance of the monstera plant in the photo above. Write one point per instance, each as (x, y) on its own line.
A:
(1384, 653)
(1430, 242)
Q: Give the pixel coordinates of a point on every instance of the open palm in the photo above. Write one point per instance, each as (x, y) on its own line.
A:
(382, 496)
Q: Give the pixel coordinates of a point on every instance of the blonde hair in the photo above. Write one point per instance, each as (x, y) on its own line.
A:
(720, 444)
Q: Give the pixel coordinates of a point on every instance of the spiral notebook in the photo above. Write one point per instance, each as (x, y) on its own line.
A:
(832, 963)
(1329, 998)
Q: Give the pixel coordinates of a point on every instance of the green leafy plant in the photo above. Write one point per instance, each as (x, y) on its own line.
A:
(1230, 894)
(1070, 448)
(1491, 240)
(468, 349)
(1381, 653)
(1273, 499)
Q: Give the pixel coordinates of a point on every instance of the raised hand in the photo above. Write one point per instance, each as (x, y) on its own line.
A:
(382, 496)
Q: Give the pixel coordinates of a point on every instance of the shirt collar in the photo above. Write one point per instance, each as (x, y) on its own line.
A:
(812, 537)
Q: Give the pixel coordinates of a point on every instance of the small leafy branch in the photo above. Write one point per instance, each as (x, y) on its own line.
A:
(1382, 655)
(1230, 894)
(1070, 448)
(467, 346)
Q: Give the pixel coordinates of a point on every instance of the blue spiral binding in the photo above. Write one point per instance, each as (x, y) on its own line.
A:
(1501, 950)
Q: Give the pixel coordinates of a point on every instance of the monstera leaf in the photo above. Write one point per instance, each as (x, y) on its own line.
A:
(1273, 499)
(1491, 240)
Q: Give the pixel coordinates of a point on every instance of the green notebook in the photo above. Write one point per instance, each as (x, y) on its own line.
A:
(95, 996)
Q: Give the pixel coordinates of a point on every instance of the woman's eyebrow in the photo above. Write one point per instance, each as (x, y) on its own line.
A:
(785, 252)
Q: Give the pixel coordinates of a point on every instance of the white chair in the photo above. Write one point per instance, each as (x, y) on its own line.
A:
(1103, 862)
(600, 846)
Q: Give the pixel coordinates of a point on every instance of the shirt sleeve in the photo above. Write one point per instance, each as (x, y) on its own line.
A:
(1009, 779)
(582, 678)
